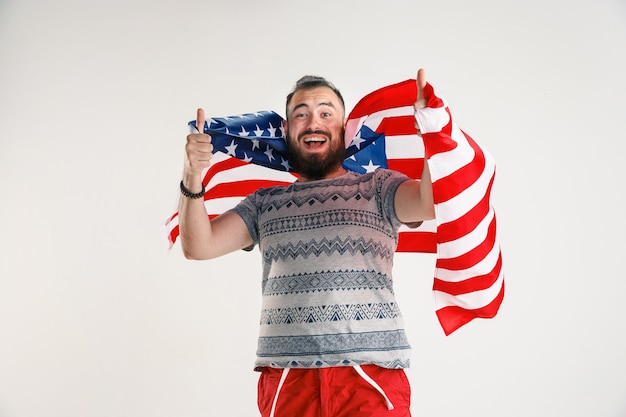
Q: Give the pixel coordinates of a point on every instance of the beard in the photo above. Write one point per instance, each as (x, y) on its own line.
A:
(317, 166)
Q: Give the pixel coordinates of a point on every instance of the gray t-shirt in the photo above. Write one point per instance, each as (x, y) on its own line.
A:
(327, 250)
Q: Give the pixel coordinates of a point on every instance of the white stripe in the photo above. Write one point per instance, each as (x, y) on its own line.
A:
(374, 119)
(280, 386)
(404, 146)
(484, 266)
(465, 201)
(469, 241)
(432, 119)
(247, 172)
(373, 383)
(445, 163)
(472, 300)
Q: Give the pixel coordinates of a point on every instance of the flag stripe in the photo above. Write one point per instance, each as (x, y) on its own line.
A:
(473, 237)
(473, 256)
(238, 188)
(403, 147)
(452, 317)
(483, 267)
(463, 177)
(465, 201)
(478, 282)
(455, 229)
(476, 299)
(399, 125)
(410, 167)
(418, 241)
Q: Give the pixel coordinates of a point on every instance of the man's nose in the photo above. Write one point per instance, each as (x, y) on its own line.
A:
(315, 122)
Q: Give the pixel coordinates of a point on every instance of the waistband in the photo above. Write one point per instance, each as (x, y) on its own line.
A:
(358, 370)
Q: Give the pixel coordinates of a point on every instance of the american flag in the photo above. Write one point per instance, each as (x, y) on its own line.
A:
(250, 153)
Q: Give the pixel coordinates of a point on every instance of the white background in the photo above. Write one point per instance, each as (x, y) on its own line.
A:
(98, 318)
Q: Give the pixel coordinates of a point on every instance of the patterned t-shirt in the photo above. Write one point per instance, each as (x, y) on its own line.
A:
(327, 250)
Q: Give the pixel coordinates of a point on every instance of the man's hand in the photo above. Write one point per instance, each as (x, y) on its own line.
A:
(198, 150)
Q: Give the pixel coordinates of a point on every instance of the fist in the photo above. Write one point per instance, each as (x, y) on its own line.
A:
(199, 149)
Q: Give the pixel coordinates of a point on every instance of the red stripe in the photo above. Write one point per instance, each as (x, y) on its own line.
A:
(398, 126)
(391, 96)
(477, 283)
(174, 232)
(239, 188)
(417, 242)
(396, 95)
(435, 143)
(460, 227)
(453, 317)
(475, 255)
(450, 186)
(411, 167)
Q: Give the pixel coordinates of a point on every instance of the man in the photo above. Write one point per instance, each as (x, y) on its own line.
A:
(332, 341)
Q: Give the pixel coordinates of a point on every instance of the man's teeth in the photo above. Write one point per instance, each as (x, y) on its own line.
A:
(315, 140)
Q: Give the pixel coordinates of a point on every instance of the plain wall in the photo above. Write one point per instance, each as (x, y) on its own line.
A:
(99, 318)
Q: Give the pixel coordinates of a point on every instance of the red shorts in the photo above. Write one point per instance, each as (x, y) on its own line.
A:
(365, 391)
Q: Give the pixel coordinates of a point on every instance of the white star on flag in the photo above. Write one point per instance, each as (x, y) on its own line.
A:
(370, 167)
(231, 148)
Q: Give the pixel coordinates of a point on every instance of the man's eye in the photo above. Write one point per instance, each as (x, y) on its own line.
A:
(300, 115)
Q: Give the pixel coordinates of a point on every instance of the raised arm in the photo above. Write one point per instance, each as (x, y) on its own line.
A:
(200, 237)
(414, 199)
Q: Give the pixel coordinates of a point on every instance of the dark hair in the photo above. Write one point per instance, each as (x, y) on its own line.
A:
(309, 82)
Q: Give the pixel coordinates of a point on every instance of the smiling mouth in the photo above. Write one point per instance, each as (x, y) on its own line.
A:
(315, 140)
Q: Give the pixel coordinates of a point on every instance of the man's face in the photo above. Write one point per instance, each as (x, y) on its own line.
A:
(315, 133)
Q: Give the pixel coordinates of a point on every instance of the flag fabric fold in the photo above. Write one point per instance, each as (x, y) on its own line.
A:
(469, 279)
(250, 153)
(259, 138)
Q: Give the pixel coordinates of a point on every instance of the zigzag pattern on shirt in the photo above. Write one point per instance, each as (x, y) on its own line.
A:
(328, 247)
(301, 194)
(396, 364)
(328, 344)
(334, 312)
(319, 197)
(327, 218)
(327, 281)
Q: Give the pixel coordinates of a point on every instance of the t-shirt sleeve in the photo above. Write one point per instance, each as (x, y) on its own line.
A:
(247, 210)
(388, 182)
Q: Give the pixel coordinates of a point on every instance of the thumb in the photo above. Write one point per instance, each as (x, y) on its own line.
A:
(200, 119)
(421, 101)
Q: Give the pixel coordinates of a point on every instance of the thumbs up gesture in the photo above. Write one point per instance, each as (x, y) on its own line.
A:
(199, 149)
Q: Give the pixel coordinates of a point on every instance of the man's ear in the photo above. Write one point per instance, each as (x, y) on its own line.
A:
(285, 126)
